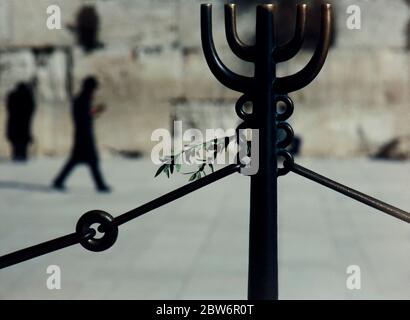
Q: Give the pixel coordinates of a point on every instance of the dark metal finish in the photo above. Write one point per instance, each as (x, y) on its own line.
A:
(287, 158)
(287, 113)
(290, 49)
(105, 221)
(308, 74)
(222, 73)
(288, 134)
(351, 193)
(263, 272)
(43, 248)
(265, 91)
(263, 249)
(239, 108)
(242, 50)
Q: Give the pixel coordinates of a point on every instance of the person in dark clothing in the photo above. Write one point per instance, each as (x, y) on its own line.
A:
(296, 146)
(84, 150)
(20, 108)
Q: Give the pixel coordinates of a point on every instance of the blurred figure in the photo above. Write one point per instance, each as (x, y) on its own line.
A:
(84, 150)
(87, 28)
(20, 109)
(296, 146)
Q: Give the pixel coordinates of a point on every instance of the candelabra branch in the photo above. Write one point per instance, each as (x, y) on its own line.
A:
(221, 72)
(308, 74)
(291, 48)
(242, 50)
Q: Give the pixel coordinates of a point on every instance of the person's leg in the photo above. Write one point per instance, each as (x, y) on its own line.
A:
(23, 151)
(59, 181)
(20, 151)
(14, 150)
(97, 176)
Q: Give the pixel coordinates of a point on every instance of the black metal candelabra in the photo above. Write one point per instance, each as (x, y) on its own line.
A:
(265, 91)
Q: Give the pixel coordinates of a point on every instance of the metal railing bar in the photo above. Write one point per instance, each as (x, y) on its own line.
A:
(39, 250)
(76, 238)
(351, 193)
(176, 194)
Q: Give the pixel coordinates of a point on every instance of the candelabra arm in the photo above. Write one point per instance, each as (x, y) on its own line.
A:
(242, 50)
(228, 78)
(308, 74)
(291, 48)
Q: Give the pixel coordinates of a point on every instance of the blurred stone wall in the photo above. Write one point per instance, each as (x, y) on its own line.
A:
(152, 72)
(360, 100)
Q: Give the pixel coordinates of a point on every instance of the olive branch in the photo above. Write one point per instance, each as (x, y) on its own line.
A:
(172, 164)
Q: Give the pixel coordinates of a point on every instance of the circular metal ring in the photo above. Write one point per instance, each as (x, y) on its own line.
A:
(287, 163)
(89, 234)
(105, 221)
(290, 107)
(289, 134)
(239, 107)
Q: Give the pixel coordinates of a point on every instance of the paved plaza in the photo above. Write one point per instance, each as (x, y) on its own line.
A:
(196, 247)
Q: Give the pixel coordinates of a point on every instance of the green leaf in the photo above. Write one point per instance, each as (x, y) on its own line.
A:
(161, 168)
(167, 171)
(171, 168)
(186, 173)
(178, 167)
(193, 177)
(212, 167)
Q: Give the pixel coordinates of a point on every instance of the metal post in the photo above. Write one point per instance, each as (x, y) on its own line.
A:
(265, 90)
(263, 248)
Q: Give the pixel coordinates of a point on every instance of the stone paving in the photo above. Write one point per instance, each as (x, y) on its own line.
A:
(196, 248)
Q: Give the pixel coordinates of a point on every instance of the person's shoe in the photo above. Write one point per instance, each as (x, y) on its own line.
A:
(58, 187)
(104, 189)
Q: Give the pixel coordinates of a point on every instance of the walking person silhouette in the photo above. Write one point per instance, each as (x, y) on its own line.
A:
(84, 150)
(20, 108)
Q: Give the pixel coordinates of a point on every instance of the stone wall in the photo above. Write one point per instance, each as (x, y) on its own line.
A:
(139, 68)
(152, 56)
